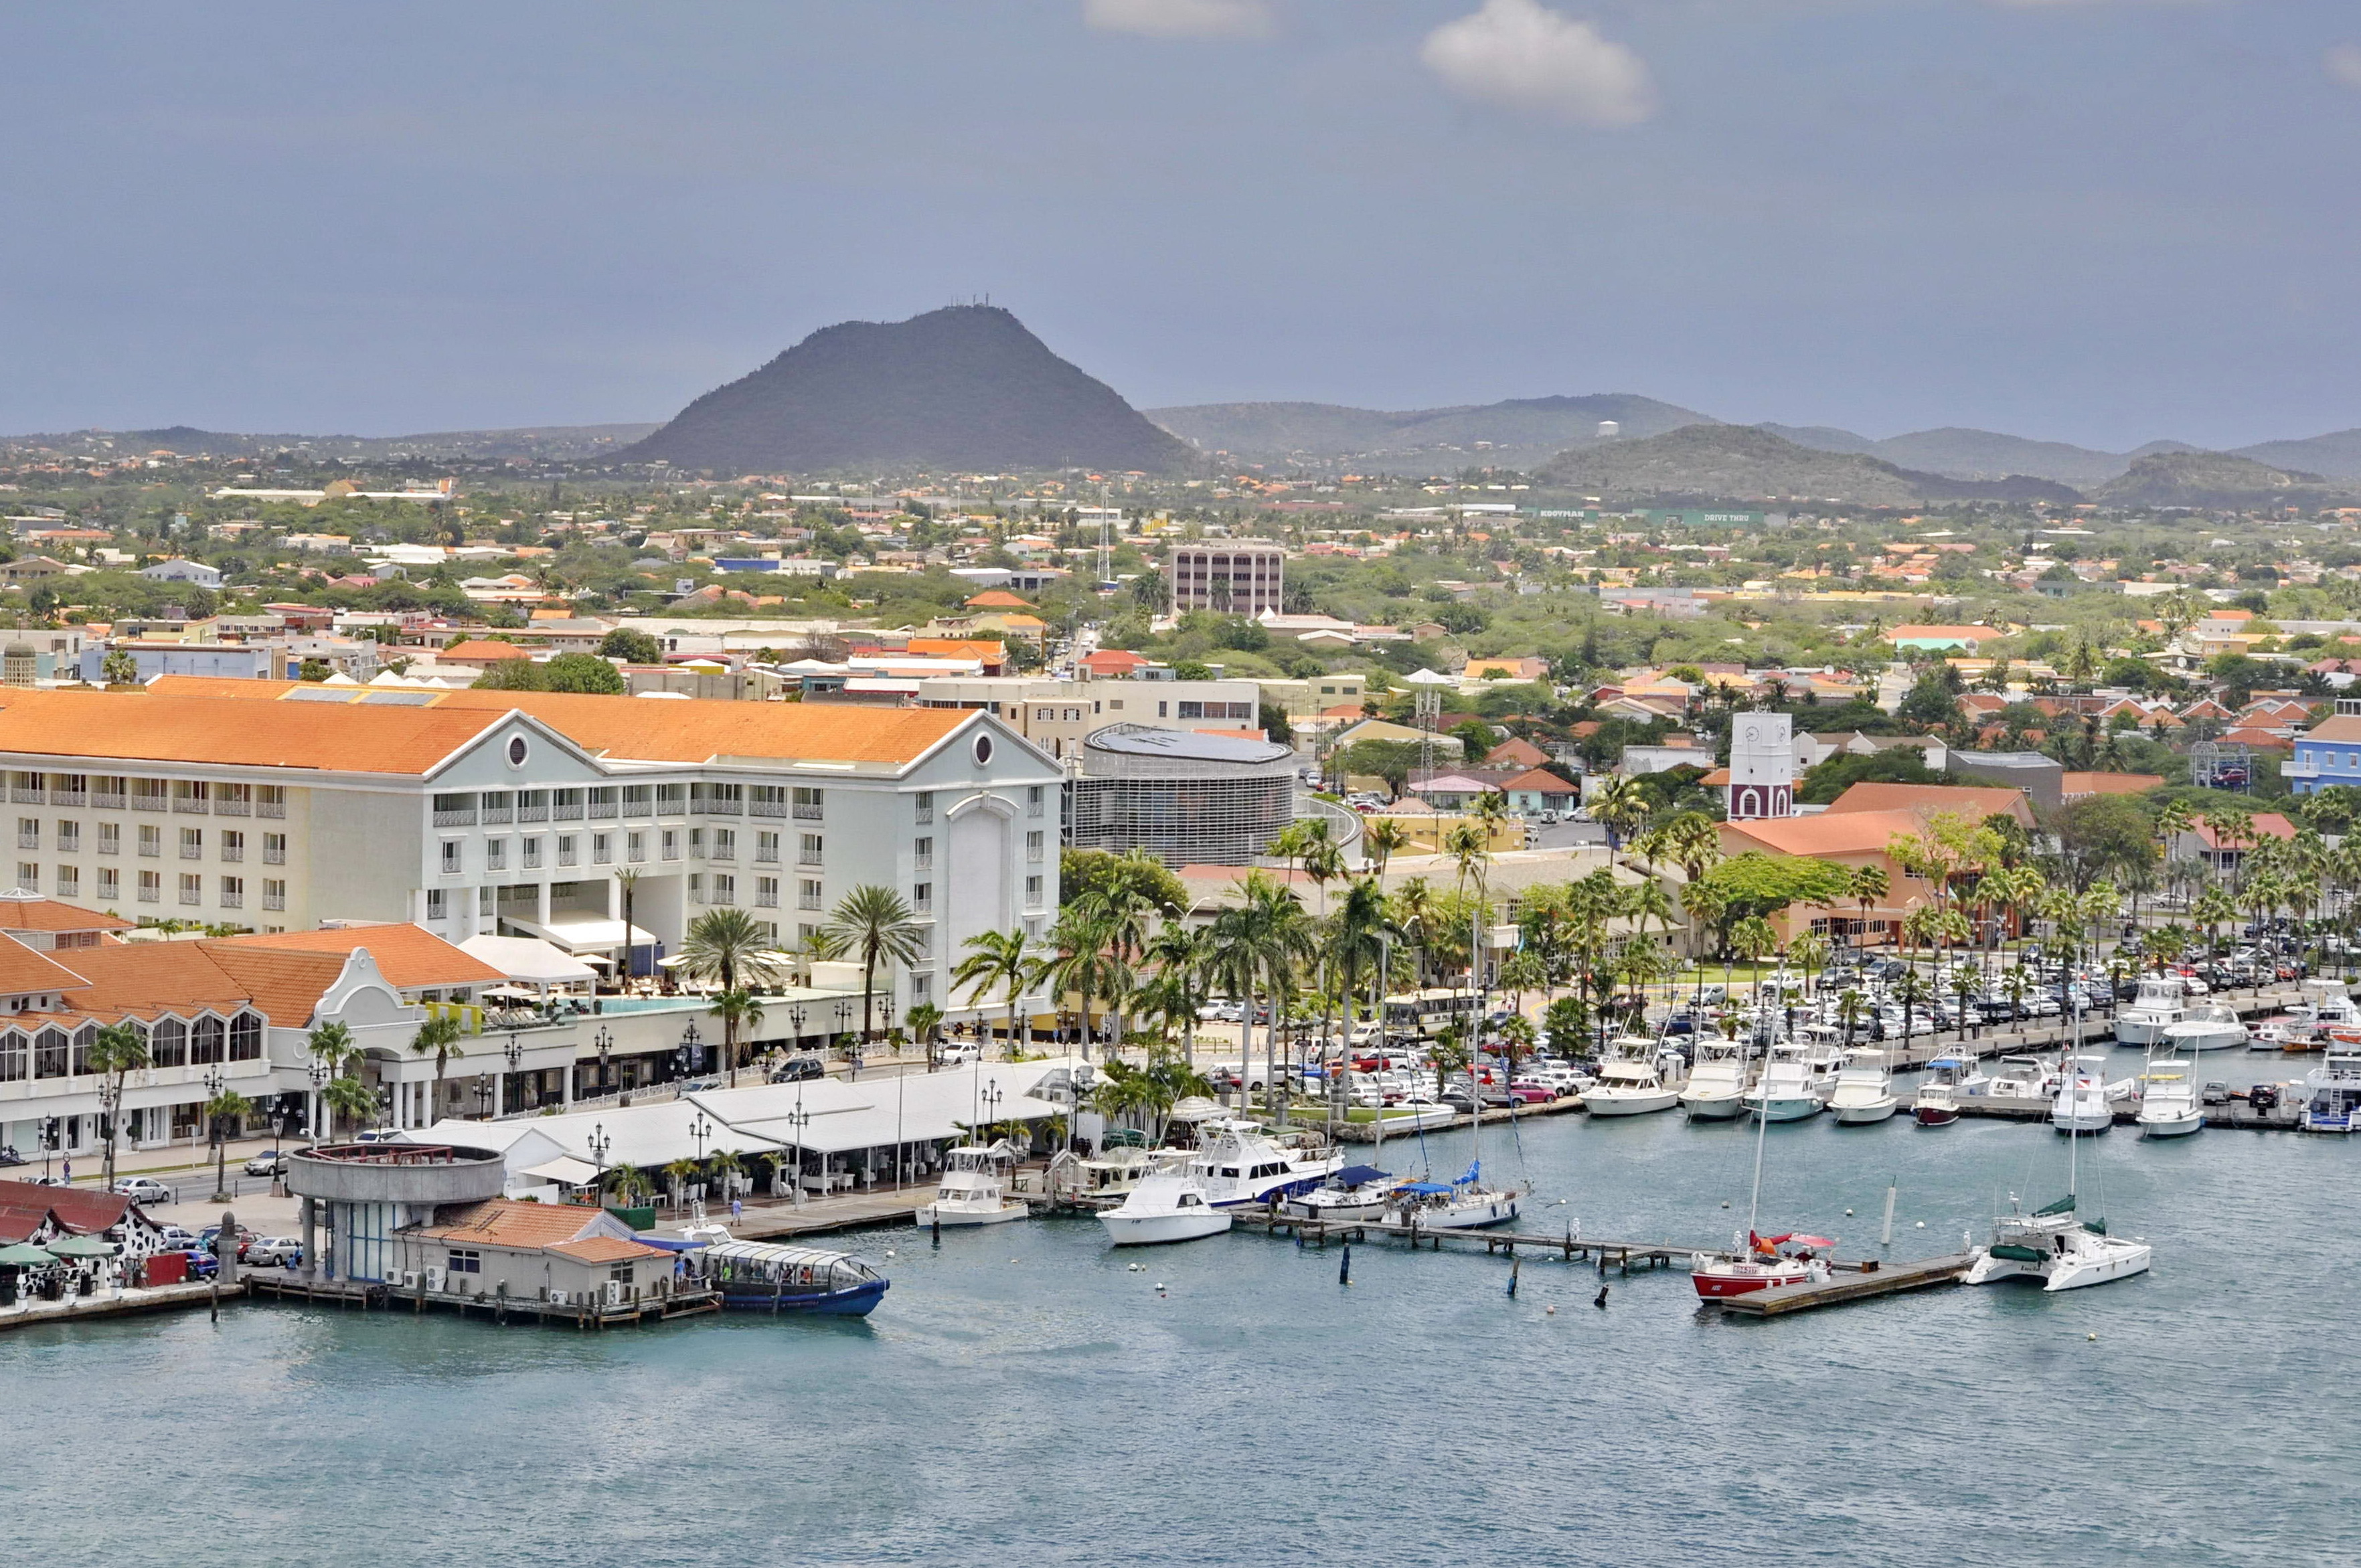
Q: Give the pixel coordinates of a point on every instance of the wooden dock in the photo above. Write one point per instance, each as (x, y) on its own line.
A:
(1605, 1252)
(2235, 1113)
(183, 1298)
(636, 1307)
(1854, 1282)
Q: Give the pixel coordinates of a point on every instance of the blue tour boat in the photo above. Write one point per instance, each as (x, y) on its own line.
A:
(761, 1276)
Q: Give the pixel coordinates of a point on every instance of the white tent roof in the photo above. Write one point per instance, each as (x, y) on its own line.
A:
(529, 959)
(566, 1169)
(580, 933)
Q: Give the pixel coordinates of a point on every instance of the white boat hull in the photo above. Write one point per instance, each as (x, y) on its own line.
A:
(961, 1214)
(2186, 1038)
(2081, 1120)
(1866, 1113)
(2179, 1124)
(2086, 1264)
(1785, 1107)
(1629, 1102)
(2132, 1031)
(1469, 1214)
(1151, 1230)
(1307, 1207)
(1715, 1106)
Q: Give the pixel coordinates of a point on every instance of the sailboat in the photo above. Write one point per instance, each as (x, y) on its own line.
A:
(2055, 1244)
(1764, 1262)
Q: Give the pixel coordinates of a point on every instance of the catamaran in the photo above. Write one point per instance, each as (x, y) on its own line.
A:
(2055, 1245)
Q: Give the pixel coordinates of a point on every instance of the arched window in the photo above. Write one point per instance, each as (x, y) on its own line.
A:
(245, 1037)
(205, 1041)
(85, 1038)
(167, 1043)
(50, 1054)
(15, 1057)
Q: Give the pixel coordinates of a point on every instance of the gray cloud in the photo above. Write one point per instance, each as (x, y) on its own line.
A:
(1521, 55)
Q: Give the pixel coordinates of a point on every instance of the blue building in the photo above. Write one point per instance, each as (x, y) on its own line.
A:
(2328, 752)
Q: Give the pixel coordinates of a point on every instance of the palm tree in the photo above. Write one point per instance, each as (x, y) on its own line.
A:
(739, 1009)
(628, 1182)
(629, 881)
(995, 959)
(1088, 961)
(1357, 942)
(1381, 839)
(348, 1100)
(873, 922)
(678, 1175)
(1870, 884)
(119, 1049)
(331, 1046)
(443, 1037)
(730, 947)
(227, 1106)
(1622, 806)
(1260, 940)
(1182, 955)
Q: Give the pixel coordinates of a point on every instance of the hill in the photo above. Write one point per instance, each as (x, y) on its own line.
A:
(555, 443)
(1965, 454)
(1514, 433)
(966, 387)
(1728, 462)
(2336, 455)
(2208, 479)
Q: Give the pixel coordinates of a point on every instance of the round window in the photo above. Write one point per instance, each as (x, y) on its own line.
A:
(518, 750)
(982, 749)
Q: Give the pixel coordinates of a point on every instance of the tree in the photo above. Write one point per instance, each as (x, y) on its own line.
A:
(444, 1038)
(729, 947)
(119, 668)
(875, 923)
(349, 1101)
(1824, 780)
(2103, 835)
(1930, 703)
(740, 1010)
(1755, 884)
(1259, 941)
(995, 959)
(1475, 737)
(632, 647)
(331, 1046)
(118, 1049)
(1135, 876)
(1275, 727)
(227, 1105)
(585, 672)
(1392, 761)
(1381, 840)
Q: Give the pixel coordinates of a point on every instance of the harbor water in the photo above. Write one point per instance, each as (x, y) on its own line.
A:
(1025, 1394)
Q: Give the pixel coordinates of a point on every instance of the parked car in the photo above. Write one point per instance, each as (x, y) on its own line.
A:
(957, 1054)
(275, 1252)
(802, 1069)
(178, 1238)
(378, 1135)
(145, 1190)
(699, 1085)
(202, 1265)
(269, 1162)
(1525, 1092)
(246, 1238)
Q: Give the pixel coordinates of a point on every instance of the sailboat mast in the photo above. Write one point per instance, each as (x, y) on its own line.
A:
(1762, 1116)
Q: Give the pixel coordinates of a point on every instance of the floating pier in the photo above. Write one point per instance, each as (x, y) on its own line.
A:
(635, 1308)
(1851, 1282)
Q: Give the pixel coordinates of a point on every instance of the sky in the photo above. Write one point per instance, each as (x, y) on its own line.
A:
(2099, 221)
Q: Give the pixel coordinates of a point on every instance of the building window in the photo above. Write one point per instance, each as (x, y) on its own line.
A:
(766, 892)
(454, 856)
(1032, 890)
(922, 897)
(192, 843)
(110, 884)
(152, 839)
(152, 887)
(270, 800)
(602, 849)
(925, 808)
(69, 837)
(672, 844)
(922, 854)
(922, 989)
(192, 888)
(466, 1262)
(29, 832)
(529, 854)
(68, 881)
(274, 894)
(233, 893)
(671, 800)
(438, 904)
(635, 848)
(808, 804)
(807, 849)
(696, 887)
(1033, 846)
(725, 844)
(232, 846)
(496, 854)
(696, 844)
(807, 895)
(28, 876)
(725, 888)
(487, 902)
(110, 839)
(766, 849)
(274, 849)
(1034, 796)
(567, 855)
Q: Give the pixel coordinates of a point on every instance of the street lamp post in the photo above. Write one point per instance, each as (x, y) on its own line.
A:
(214, 1081)
(318, 1074)
(795, 1015)
(991, 1098)
(691, 1042)
(844, 1015)
(798, 1120)
(603, 1042)
(599, 1145)
(700, 1128)
(513, 1052)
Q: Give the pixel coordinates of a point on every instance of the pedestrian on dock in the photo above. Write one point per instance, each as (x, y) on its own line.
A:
(736, 1210)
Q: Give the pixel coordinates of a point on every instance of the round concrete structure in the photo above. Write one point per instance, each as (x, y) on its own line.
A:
(426, 1175)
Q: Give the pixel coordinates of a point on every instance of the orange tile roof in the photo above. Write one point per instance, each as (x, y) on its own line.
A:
(144, 978)
(1973, 802)
(286, 987)
(407, 956)
(506, 1222)
(605, 1249)
(2074, 783)
(169, 728)
(475, 651)
(997, 598)
(48, 915)
(23, 969)
(1828, 833)
(991, 651)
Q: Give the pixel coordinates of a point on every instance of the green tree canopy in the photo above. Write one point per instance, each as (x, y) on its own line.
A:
(1755, 884)
(632, 647)
(1824, 780)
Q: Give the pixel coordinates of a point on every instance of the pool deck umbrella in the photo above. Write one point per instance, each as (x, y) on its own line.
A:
(82, 1246)
(25, 1255)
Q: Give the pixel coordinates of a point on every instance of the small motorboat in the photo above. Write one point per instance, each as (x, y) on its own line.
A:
(1717, 1083)
(1167, 1206)
(1864, 1091)
(2331, 1098)
(973, 1189)
(2168, 1107)
(2206, 1026)
(1632, 1083)
(1937, 1103)
(1790, 1089)
(1764, 1263)
(1355, 1192)
(2082, 1103)
(763, 1276)
(2288, 1032)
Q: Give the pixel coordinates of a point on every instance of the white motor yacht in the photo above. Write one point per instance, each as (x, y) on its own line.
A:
(2016, 1078)
(1716, 1081)
(2332, 1096)
(2159, 1002)
(1864, 1091)
(1788, 1089)
(2053, 1246)
(973, 1189)
(1167, 1206)
(2169, 1106)
(1355, 1192)
(2205, 1027)
(1240, 1163)
(1632, 1083)
(2082, 1104)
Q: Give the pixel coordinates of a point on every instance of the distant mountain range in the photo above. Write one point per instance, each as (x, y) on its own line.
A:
(1736, 462)
(965, 387)
(551, 442)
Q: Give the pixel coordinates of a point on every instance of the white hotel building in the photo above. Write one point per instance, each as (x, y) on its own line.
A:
(275, 805)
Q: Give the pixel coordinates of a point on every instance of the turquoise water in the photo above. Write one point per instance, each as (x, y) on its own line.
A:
(1024, 1396)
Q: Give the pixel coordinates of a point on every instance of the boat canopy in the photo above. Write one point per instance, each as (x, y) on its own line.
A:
(2063, 1206)
(1358, 1176)
(1424, 1188)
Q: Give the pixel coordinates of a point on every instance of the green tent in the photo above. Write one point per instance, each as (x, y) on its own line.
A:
(25, 1255)
(82, 1246)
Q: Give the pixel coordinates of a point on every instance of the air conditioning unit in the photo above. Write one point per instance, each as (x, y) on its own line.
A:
(434, 1280)
(614, 1292)
(409, 1279)
(557, 1299)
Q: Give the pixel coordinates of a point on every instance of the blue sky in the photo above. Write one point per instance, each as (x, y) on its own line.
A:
(2103, 221)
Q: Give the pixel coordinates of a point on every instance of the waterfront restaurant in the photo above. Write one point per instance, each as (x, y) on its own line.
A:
(554, 1252)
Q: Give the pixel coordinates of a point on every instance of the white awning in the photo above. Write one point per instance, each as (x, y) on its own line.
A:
(586, 933)
(566, 1169)
(529, 960)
